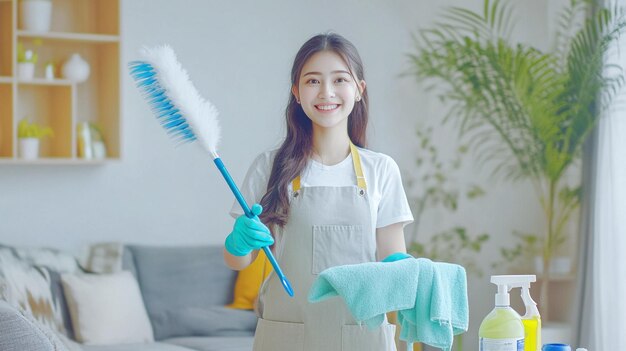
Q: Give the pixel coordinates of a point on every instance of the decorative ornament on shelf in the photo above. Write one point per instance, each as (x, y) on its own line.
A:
(28, 135)
(35, 15)
(90, 141)
(76, 69)
(49, 71)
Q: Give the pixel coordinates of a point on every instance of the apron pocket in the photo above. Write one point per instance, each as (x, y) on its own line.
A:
(337, 245)
(278, 336)
(359, 338)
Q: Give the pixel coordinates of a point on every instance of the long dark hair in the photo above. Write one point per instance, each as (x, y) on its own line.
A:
(293, 154)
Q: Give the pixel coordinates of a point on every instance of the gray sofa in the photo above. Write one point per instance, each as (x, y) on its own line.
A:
(184, 291)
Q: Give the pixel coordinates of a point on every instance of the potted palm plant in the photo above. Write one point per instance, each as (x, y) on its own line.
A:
(526, 111)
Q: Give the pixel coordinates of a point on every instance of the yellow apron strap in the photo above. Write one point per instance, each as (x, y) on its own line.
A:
(295, 184)
(356, 160)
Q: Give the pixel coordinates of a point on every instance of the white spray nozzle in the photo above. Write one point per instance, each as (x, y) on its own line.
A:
(514, 281)
(529, 303)
(507, 282)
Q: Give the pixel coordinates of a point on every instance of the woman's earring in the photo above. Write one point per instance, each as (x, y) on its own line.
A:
(358, 98)
(298, 101)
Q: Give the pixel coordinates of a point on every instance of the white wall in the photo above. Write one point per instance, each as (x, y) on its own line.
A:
(239, 54)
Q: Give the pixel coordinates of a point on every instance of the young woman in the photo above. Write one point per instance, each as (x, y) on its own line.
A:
(328, 201)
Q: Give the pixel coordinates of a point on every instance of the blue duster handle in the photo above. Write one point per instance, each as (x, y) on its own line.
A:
(246, 210)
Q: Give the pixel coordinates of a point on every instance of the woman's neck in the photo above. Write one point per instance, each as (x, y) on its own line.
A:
(330, 146)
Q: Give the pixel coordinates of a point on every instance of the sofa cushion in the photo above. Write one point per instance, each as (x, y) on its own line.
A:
(20, 331)
(128, 261)
(107, 308)
(174, 278)
(214, 343)
(207, 321)
(28, 288)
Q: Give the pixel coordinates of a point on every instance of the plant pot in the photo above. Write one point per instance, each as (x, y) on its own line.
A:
(25, 70)
(76, 69)
(28, 148)
(35, 15)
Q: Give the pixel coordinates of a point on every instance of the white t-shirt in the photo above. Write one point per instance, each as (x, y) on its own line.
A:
(388, 202)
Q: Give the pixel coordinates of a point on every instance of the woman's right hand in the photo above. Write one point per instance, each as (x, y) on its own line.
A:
(248, 234)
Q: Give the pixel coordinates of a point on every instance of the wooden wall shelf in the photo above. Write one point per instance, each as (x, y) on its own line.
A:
(87, 27)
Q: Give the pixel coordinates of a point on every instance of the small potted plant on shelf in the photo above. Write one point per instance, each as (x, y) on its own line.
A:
(26, 61)
(28, 135)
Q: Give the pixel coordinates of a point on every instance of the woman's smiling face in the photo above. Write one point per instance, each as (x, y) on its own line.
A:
(326, 90)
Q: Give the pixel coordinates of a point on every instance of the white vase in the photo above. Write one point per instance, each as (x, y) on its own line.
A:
(76, 69)
(25, 70)
(28, 148)
(35, 15)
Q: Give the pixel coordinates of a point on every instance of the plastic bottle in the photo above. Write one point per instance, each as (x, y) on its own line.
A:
(532, 319)
(502, 329)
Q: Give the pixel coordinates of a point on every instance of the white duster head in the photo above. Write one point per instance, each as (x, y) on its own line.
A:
(199, 113)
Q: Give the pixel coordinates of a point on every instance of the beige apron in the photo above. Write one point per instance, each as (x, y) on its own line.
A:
(327, 226)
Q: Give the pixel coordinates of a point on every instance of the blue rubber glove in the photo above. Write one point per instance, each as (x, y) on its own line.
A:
(248, 234)
(397, 257)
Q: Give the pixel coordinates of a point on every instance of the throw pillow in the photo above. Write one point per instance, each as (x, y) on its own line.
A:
(107, 308)
(105, 257)
(28, 288)
(249, 282)
(54, 259)
(56, 288)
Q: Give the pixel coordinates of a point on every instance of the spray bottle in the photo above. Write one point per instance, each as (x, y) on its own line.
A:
(502, 329)
(531, 320)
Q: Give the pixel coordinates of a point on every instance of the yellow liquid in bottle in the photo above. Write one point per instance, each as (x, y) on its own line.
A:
(532, 334)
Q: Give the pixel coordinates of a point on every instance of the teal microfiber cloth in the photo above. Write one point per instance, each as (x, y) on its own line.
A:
(431, 298)
(369, 289)
(441, 308)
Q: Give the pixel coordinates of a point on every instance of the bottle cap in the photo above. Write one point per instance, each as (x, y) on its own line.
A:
(556, 347)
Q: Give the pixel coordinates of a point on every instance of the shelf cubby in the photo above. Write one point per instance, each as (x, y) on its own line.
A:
(51, 106)
(85, 16)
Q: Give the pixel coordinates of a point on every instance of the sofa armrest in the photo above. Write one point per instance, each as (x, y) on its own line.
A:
(21, 332)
